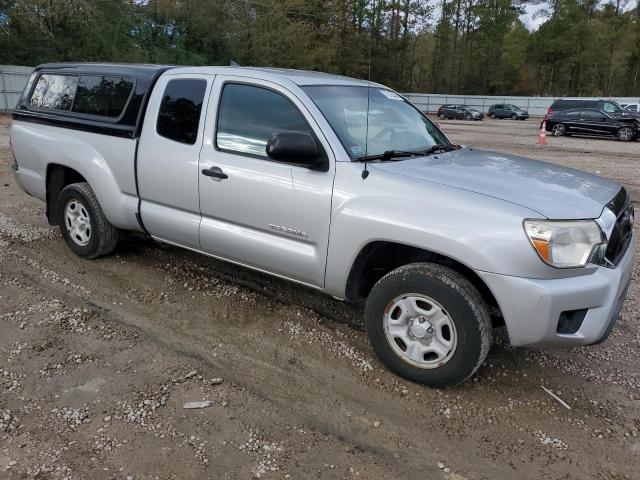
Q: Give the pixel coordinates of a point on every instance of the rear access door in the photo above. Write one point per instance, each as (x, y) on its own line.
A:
(167, 168)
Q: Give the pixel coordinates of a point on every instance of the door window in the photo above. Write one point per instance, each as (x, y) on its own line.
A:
(249, 115)
(179, 115)
(591, 115)
(611, 107)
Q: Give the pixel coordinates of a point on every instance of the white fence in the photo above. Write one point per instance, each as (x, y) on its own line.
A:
(536, 106)
(13, 79)
(12, 82)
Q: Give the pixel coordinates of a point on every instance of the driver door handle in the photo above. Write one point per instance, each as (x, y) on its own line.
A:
(215, 172)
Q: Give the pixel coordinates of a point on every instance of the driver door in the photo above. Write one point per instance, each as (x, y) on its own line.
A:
(256, 212)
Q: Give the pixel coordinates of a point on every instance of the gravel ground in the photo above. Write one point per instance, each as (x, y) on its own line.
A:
(98, 359)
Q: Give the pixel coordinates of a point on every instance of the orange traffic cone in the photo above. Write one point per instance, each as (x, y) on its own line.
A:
(542, 139)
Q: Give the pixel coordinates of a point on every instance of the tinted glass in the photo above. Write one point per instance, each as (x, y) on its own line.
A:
(591, 115)
(102, 96)
(179, 115)
(631, 108)
(372, 120)
(567, 104)
(249, 115)
(54, 92)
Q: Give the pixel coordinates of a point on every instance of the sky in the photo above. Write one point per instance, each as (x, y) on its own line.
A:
(532, 22)
(529, 18)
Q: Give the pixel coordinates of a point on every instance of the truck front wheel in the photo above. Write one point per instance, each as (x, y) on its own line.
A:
(83, 223)
(429, 324)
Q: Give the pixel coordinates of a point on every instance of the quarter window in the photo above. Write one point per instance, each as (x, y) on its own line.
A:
(102, 96)
(179, 115)
(54, 92)
(84, 94)
(249, 115)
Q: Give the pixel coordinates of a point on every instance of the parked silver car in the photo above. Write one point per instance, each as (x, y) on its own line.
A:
(338, 184)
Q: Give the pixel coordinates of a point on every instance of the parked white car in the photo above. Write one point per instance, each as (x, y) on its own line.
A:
(338, 184)
(632, 107)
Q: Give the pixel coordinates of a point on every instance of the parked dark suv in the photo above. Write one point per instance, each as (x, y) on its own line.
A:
(608, 106)
(506, 110)
(588, 121)
(461, 112)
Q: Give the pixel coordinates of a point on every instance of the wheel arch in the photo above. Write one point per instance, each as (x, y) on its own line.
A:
(377, 258)
(57, 177)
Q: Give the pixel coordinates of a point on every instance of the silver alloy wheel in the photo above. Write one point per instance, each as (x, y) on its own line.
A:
(420, 331)
(442, 116)
(78, 222)
(558, 130)
(625, 134)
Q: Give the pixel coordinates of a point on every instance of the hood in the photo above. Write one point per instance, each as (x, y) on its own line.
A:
(553, 191)
(626, 115)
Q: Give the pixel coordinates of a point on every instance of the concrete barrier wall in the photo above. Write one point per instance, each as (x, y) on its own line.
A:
(12, 81)
(537, 106)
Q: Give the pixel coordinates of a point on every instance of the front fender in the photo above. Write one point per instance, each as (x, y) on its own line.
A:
(481, 232)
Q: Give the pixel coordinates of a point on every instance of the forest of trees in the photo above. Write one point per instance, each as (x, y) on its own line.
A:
(582, 47)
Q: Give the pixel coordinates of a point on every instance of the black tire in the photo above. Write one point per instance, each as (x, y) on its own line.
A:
(492, 115)
(459, 299)
(103, 236)
(625, 134)
(442, 116)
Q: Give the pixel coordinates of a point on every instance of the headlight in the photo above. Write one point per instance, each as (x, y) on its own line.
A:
(565, 244)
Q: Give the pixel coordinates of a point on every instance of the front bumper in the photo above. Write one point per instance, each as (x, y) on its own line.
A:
(531, 307)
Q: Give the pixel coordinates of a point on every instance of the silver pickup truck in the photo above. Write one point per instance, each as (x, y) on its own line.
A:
(338, 184)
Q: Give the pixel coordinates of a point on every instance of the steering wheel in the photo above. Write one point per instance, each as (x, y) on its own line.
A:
(383, 132)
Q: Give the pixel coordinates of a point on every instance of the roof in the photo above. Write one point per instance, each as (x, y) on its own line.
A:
(298, 77)
(119, 68)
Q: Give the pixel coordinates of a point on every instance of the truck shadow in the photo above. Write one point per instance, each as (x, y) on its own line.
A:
(284, 291)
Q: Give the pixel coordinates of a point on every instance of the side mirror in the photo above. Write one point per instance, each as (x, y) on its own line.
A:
(297, 148)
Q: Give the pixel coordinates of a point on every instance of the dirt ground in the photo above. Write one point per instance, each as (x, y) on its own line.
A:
(98, 357)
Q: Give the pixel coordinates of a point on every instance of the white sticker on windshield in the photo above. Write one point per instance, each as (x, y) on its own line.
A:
(391, 95)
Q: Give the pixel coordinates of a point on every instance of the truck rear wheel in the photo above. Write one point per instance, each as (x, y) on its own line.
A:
(83, 223)
(429, 324)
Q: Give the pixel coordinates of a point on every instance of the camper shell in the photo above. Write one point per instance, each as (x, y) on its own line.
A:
(138, 79)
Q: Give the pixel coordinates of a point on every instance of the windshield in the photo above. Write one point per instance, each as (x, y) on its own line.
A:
(372, 126)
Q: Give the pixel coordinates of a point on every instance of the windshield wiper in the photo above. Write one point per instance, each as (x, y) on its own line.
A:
(392, 154)
(389, 155)
(439, 148)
